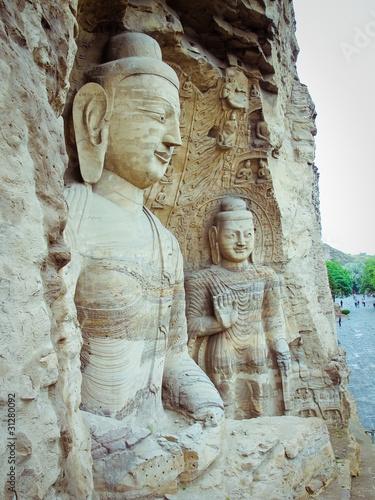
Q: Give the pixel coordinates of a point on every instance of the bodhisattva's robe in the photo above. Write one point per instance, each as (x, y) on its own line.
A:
(244, 348)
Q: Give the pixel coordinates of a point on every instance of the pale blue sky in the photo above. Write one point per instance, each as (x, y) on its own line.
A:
(337, 63)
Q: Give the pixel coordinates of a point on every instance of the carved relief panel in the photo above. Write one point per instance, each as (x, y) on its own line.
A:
(225, 147)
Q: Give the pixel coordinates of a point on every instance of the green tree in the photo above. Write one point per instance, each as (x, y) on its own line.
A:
(368, 276)
(340, 281)
(356, 270)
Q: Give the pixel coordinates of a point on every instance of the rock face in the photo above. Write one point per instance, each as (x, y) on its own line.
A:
(247, 127)
(40, 343)
(269, 457)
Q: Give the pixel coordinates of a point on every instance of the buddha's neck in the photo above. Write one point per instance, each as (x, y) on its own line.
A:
(121, 192)
(234, 266)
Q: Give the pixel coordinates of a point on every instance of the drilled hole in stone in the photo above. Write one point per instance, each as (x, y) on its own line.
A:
(45, 24)
(213, 133)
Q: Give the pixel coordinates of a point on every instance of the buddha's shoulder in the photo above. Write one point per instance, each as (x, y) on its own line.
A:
(163, 232)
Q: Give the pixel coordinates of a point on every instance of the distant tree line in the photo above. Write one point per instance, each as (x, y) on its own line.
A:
(340, 280)
(355, 276)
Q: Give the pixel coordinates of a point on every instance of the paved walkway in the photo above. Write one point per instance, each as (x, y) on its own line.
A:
(357, 336)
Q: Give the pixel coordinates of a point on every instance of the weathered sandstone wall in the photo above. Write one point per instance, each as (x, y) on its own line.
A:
(39, 344)
(40, 340)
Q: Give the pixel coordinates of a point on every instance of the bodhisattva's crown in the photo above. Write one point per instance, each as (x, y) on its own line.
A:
(233, 209)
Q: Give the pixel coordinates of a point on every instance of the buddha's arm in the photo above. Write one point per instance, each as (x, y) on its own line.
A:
(185, 386)
(273, 321)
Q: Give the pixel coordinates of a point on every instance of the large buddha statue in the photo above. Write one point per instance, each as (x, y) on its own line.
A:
(129, 289)
(235, 320)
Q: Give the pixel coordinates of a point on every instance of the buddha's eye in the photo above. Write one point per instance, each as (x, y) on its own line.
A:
(157, 114)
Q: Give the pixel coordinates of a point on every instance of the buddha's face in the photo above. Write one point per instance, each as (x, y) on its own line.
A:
(235, 239)
(144, 129)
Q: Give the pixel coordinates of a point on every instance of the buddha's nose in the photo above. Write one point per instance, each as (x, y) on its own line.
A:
(240, 240)
(172, 136)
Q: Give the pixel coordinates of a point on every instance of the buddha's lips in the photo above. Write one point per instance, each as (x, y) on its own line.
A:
(163, 156)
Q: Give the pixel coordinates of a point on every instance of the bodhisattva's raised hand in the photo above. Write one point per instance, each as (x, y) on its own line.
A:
(225, 309)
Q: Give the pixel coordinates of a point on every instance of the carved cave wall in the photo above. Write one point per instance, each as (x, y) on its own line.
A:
(242, 107)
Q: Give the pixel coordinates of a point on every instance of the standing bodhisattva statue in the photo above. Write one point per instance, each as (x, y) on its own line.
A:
(235, 320)
(129, 290)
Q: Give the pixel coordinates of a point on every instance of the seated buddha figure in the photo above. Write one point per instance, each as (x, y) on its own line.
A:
(236, 324)
(129, 288)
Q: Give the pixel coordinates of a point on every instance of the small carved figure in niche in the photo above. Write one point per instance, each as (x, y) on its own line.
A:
(235, 89)
(263, 172)
(168, 176)
(262, 135)
(227, 138)
(235, 319)
(225, 179)
(244, 173)
(189, 244)
(128, 275)
(187, 87)
(159, 201)
(262, 131)
(183, 118)
(254, 91)
(228, 87)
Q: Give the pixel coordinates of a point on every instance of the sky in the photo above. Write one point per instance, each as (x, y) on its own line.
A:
(337, 63)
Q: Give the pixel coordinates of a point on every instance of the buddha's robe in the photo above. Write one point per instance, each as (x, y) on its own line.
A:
(131, 308)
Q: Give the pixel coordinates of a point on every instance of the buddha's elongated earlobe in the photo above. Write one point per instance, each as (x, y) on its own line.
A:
(91, 130)
(214, 244)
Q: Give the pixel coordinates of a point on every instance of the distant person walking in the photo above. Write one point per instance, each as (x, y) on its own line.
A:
(341, 303)
(339, 320)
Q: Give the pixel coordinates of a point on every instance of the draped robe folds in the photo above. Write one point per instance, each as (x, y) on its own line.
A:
(245, 346)
(131, 309)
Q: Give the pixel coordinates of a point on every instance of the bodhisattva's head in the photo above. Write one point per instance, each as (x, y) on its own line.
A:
(232, 236)
(127, 118)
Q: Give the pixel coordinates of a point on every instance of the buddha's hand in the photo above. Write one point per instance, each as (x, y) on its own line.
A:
(210, 416)
(225, 309)
(283, 356)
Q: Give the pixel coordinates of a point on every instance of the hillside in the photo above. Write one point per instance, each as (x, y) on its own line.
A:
(331, 253)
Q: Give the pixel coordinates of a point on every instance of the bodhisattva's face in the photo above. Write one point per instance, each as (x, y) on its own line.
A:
(236, 239)
(144, 129)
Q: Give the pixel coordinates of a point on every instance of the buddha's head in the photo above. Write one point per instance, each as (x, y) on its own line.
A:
(127, 118)
(232, 235)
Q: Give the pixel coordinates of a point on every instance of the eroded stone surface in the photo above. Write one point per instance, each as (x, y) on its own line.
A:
(39, 341)
(269, 457)
(247, 127)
